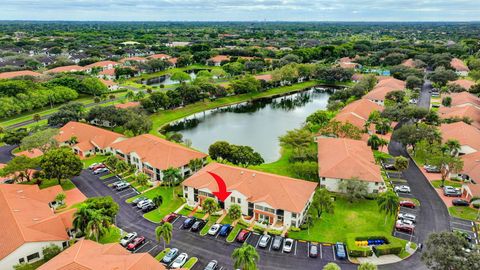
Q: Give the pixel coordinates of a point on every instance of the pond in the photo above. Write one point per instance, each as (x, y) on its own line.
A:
(165, 79)
(257, 123)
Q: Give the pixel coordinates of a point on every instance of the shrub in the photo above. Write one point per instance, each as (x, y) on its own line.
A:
(295, 229)
(393, 245)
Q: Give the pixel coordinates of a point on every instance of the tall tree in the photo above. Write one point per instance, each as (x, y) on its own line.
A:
(322, 202)
(245, 257)
(210, 206)
(21, 164)
(142, 179)
(42, 140)
(60, 164)
(235, 211)
(195, 164)
(164, 232)
(171, 176)
(401, 163)
(354, 189)
(97, 225)
(388, 203)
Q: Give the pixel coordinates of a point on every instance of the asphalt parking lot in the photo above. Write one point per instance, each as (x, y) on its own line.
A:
(466, 226)
(123, 194)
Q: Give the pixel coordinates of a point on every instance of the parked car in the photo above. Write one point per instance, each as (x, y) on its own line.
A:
(179, 261)
(198, 225)
(136, 243)
(93, 165)
(407, 216)
(460, 202)
(287, 245)
(149, 207)
(389, 166)
(405, 228)
(122, 186)
(405, 222)
(128, 238)
(141, 204)
(408, 204)
(114, 185)
(188, 223)
(450, 191)
(264, 240)
(243, 235)
(169, 218)
(139, 199)
(431, 169)
(212, 265)
(402, 189)
(98, 166)
(340, 251)
(101, 170)
(170, 256)
(214, 229)
(277, 242)
(313, 251)
(226, 228)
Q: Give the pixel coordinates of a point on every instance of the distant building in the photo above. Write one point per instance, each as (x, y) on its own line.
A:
(383, 87)
(15, 74)
(218, 60)
(64, 69)
(459, 66)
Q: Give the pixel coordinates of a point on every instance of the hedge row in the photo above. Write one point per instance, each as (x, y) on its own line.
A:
(393, 246)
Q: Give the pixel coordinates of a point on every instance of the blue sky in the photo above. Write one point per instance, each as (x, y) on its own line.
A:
(242, 10)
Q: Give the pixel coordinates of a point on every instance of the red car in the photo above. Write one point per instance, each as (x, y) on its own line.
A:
(404, 228)
(169, 218)
(243, 235)
(408, 204)
(136, 243)
(98, 167)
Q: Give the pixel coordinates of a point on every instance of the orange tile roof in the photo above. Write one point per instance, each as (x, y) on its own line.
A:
(26, 217)
(130, 104)
(102, 64)
(467, 84)
(348, 65)
(264, 77)
(384, 86)
(157, 152)
(471, 167)
(280, 192)
(464, 133)
(345, 159)
(160, 56)
(87, 135)
(391, 82)
(219, 58)
(409, 63)
(357, 112)
(464, 98)
(469, 111)
(458, 65)
(90, 255)
(13, 74)
(108, 82)
(135, 59)
(173, 60)
(30, 153)
(71, 68)
(109, 72)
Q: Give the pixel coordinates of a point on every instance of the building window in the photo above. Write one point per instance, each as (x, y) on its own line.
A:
(294, 215)
(65, 244)
(232, 199)
(263, 208)
(21, 260)
(239, 201)
(376, 183)
(33, 256)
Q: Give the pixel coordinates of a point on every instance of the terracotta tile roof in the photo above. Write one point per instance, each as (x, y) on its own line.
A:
(71, 68)
(279, 192)
(469, 111)
(464, 133)
(26, 217)
(384, 86)
(157, 152)
(130, 104)
(90, 255)
(133, 59)
(464, 98)
(30, 153)
(346, 59)
(108, 72)
(471, 167)
(391, 82)
(357, 112)
(219, 58)
(467, 84)
(458, 65)
(346, 158)
(87, 135)
(173, 60)
(13, 74)
(409, 63)
(102, 64)
(348, 65)
(264, 77)
(108, 82)
(160, 56)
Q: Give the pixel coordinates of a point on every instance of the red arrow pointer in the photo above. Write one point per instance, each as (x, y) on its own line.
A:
(222, 192)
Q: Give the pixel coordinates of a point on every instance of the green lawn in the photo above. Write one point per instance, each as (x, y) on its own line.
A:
(438, 183)
(164, 117)
(362, 216)
(277, 167)
(186, 211)
(169, 203)
(112, 236)
(464, 212)
(66, 184)
(93, 159)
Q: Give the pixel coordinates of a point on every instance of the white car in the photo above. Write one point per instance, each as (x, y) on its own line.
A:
(405, 222)
(100, 170)
(179, 261)
(214, 229)
(406, 216)
(144, 203)
(128, 238)
(264, 240)
(287, 245)
(403, 189)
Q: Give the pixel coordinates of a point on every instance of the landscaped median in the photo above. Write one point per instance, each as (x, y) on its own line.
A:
(162, 254)
(238, 227)
(190, 263)
(360, 244)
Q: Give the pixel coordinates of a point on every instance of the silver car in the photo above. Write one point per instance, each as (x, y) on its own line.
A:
(128, 238)
(264, 240)
(179, 261)
(287, 245)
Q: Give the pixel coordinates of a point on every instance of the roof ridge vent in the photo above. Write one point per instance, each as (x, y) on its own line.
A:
(253, 174)
(242, 172)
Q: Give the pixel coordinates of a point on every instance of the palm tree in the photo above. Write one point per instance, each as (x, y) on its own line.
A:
(111, 161)
(158, 200)
(170, 176)
(235, 212)
(388, 203)
(164, 232)
(331, 266)
(121, 166)
(195, 164)
(245, 257)
(383, 143)
(453, 146)
(374, 142)
(142, 179)
(321, 202)
(97, 225)
(401, 163)
(81, 218)
(210, 206)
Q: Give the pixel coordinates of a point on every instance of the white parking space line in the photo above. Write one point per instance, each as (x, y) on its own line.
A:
(146, 242)
(321, 253)
(121, 191)
(467, 231)
(181, 225)
(295, 250)
(175, 220)
(402, 233)
(333, 251)
(128, 195)
(246, 239)
(258, 241)
(460, 224)
(308, 249)
(152, 248)
(270, 246)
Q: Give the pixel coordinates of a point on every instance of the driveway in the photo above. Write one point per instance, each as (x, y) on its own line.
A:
(6, 153)
(203, 247)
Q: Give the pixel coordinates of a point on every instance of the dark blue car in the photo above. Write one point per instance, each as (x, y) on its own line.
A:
(225, 230)
(340, 251)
